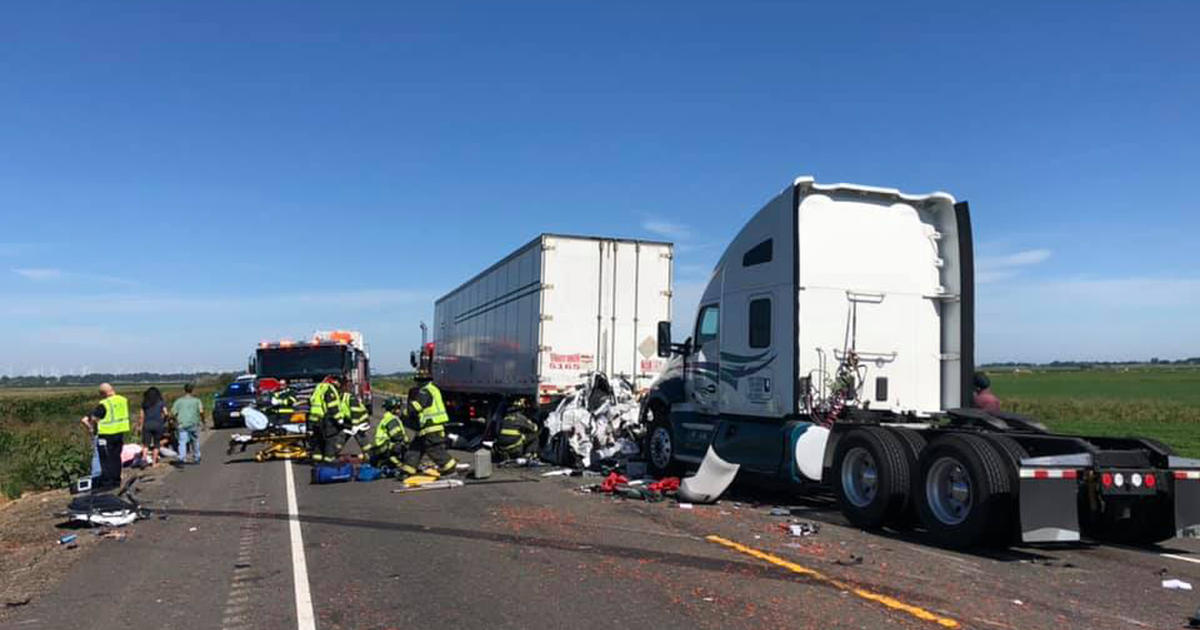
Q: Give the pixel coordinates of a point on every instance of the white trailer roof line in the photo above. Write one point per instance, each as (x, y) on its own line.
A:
(807, 182)
(537, 239)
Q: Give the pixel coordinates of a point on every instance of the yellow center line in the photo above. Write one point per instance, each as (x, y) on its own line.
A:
(890, 602)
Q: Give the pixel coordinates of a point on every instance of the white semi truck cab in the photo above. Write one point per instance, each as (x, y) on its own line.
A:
(834, 346)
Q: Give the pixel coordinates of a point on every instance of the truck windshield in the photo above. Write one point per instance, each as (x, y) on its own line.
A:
(300, 361)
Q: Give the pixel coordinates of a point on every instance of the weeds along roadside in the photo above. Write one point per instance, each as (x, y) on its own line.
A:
(42, 444)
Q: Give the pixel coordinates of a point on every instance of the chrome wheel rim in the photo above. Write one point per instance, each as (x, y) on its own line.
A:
(860, 477)
(948, 491)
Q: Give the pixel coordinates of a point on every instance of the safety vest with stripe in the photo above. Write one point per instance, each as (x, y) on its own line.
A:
(283, 402)
(354, 409)
(433, 416)
(515, 431)
(390, 430)
(324, 399)
(116, 416)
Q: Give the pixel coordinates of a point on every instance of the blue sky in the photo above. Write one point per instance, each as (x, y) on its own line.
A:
(179, 180)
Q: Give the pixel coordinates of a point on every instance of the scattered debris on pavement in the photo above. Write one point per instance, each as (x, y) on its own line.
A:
(853, 560)
(437, 484)
(803, 528)
(113, 534)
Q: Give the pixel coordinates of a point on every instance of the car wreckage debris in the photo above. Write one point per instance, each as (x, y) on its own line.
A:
(597, 422)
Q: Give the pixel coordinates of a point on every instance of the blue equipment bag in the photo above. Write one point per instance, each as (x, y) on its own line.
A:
(367, 472)
(332, 473)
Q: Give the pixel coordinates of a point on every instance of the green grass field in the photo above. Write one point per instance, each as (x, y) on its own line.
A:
(1160, 403)
(42, 444)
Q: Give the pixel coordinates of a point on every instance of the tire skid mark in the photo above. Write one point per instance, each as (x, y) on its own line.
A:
(243, 581)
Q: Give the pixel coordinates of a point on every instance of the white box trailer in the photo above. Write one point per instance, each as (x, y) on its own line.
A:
(541, 318)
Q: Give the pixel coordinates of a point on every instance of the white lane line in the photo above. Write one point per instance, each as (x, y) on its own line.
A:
(1176, 557)
(305, 620)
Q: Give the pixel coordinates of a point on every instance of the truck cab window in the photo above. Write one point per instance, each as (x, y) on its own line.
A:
(708, 324)
(760, 323)
(759, 254)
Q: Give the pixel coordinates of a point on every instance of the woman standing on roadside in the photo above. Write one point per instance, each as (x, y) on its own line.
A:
(152, 420)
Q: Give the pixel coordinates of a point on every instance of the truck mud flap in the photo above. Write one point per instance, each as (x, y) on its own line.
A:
(1049, 492)
(1187, 503)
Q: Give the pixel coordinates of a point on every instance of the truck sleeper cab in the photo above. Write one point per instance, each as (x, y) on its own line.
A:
(834, 344)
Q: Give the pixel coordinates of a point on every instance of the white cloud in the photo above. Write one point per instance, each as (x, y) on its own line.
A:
(133, 331)
(1019, 259)
(1089, 319)
(39, 274)
(996, 268)
(667, 229)
(48, 274)
(140, 303)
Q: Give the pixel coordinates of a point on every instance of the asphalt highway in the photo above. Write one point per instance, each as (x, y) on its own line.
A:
(226, 549)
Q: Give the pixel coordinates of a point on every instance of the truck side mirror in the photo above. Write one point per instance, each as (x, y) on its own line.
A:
(664, 339)
(412, 358)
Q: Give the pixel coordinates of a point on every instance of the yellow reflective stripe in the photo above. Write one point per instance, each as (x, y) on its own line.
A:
(437, 428)
(512, 432)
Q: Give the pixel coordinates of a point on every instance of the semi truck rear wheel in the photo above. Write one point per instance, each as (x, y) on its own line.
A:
(914, 443)
(1014, 452)
(872, 477)
(966, 491)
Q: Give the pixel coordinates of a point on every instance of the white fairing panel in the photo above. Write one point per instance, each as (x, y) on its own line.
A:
(827, 272)
(871, 283)
(810, 452)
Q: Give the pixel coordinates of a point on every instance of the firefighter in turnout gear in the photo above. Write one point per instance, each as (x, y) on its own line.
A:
(356, 422)
(281, 404)
(354, 409)
(386, 450)
(427, 411)
(325, 416)
(518, 434)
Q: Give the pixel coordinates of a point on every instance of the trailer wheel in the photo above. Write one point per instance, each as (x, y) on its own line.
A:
(660, 444)
(914, 443)
(966, 491)
(871, 477)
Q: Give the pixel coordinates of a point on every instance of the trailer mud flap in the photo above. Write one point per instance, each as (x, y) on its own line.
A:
(1187, 503)
(1049, 511)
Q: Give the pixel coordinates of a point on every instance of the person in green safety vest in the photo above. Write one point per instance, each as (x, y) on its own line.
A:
(518, 434)
(386, 450)
(356, 421)
(428, 412)
(109, 421)
(355, 411)
(325, 416)
(281, 403)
